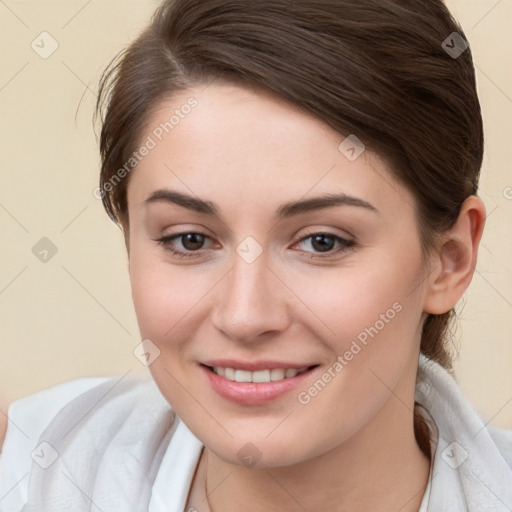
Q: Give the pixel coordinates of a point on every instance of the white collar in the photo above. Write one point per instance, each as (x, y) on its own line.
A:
(172, 483)
(469, 473)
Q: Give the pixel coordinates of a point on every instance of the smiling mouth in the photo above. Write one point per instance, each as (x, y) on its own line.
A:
(259, 376)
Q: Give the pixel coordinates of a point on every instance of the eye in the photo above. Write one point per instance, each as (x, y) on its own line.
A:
(325, 243)
(191, 244)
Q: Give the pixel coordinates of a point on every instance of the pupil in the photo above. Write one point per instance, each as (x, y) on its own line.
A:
(192, 241)
(318, 243)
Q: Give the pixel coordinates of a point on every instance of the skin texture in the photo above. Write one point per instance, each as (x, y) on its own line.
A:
(352, 446)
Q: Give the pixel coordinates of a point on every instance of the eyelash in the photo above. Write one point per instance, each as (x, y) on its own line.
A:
(345, 245)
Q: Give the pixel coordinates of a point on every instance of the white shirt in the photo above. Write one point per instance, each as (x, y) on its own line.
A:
(30, 416)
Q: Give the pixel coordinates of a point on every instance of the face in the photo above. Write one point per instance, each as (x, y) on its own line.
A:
(239, 263)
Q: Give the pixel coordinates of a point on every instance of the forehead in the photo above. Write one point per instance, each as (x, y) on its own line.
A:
(230, 142)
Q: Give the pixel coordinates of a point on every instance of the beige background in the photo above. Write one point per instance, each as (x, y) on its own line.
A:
(72, 316)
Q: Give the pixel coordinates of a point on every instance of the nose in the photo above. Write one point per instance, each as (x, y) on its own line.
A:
(252, 303)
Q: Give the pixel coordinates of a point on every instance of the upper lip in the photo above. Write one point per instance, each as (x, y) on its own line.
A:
(254, 366)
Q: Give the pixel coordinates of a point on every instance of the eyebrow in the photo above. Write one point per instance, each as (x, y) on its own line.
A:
(286, 210)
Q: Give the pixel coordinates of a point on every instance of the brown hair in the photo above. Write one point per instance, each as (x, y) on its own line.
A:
(374, 68)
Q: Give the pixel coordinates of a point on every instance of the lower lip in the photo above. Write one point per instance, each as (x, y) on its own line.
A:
(253, 393)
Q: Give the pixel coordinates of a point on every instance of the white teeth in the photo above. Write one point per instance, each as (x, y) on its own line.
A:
(258, 376)
(243, 376)
(261, 376)
(277, 374)
(229, 373)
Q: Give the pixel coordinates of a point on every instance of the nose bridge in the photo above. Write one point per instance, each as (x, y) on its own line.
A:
(251, 301)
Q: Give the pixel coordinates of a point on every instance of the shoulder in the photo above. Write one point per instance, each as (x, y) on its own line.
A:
(455, 417)
(503, 440)
(85, 430)
(45, 404)
(42, 406)
(26, 420)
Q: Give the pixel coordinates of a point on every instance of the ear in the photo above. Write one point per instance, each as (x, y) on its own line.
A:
(454, 260)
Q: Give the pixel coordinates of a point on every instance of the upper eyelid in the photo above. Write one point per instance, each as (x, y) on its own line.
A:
(177, 236)
(306, 235)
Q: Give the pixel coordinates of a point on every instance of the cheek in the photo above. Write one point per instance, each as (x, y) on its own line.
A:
(169, 304)
(369, 319)
(163, 296)
(360, 302)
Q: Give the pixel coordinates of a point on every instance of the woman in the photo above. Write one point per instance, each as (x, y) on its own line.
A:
(297, 187)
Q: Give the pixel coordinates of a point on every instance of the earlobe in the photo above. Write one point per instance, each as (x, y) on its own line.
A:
(455, 259)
